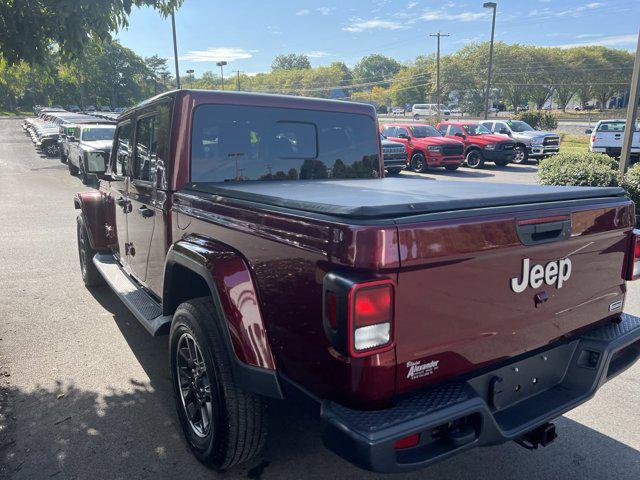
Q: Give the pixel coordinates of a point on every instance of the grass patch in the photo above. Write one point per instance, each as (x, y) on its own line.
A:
(574, 143)
(15, 113)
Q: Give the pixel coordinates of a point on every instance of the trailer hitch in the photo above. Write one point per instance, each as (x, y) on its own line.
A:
(541, 436)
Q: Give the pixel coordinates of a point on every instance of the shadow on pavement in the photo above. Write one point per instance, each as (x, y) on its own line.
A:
(67, 432)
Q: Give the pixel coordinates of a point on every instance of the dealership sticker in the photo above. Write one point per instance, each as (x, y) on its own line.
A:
(417, 369)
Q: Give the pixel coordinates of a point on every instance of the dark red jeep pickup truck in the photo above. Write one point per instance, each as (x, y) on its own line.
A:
(420, 318)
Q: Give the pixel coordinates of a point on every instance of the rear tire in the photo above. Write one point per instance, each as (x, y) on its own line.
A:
(90, 274)
(474, 159)
(236, 429)
(418, 162)
(521, 155)
(451, 168)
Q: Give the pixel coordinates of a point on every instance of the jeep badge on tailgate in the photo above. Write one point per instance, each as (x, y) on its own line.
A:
(556, 272)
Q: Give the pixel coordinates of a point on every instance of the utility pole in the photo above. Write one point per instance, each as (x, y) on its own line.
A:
(494, 6)
(632, 112)
(237, 80)
(438, 35)
(175, 49)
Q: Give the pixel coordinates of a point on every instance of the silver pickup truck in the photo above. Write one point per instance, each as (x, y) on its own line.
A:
(530, 143)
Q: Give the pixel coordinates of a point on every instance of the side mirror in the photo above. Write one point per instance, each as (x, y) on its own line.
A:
(458, 134)
(403, 135)
(588, 131)
(504, 131)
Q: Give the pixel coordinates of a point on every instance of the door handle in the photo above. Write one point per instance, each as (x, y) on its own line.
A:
(146, 212)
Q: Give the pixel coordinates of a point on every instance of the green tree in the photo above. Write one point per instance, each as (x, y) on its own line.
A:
(291, 61)
(375, 68)
(29, 28)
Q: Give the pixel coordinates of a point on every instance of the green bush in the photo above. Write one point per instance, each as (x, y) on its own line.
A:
(580, 169)
(539, 119)
(631, 183)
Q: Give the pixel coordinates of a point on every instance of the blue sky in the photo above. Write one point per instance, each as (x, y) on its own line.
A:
(249, 34)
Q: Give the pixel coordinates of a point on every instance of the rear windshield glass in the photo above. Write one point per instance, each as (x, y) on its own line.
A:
(611, 127)
(92, 134)
(239, 143)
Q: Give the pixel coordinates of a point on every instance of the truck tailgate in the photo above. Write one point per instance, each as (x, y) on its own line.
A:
(456, 308)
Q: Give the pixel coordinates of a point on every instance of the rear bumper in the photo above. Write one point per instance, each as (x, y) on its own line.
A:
(486, 409)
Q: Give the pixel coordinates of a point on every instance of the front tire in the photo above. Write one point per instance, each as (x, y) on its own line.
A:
(418, 162)
(474, 159)
(90, 274)
(223, 424)
(521, 154)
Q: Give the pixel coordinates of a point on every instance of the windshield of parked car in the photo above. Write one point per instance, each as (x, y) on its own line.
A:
(474, 130)
(519, 126)
(240, 143)
(93, 134)
(423, 131)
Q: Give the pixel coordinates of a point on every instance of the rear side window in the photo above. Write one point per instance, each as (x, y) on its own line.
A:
(152, 143)
(239, 143)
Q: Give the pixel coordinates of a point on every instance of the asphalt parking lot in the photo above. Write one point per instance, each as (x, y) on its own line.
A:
(85, 392)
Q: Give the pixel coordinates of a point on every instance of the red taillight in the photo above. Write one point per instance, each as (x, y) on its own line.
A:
(408, 442)
(633, 267)
(371, 312)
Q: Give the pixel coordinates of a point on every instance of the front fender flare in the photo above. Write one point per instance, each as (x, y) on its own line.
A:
(93, 210)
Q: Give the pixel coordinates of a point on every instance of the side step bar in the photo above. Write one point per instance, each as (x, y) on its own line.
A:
(144, 308)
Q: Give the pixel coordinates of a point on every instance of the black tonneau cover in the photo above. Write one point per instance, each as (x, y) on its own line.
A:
(389, 197)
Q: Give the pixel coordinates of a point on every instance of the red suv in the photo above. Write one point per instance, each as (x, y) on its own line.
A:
(425, 146)
(480, 144)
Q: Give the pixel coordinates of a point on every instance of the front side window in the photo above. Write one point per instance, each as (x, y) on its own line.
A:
(122, 150)
(455, 129)
(402, 131)
(240, 143)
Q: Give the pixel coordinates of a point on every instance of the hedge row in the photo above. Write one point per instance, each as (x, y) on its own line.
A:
(539, 119)
(589, 169)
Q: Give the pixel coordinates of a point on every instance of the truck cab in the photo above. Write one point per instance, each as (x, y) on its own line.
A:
(259, 233)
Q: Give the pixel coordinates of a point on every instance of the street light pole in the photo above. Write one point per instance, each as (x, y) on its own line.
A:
(494, 6)
(632, 112)
(438, 35)
(221, 64)
(238, 80)
(175, 49)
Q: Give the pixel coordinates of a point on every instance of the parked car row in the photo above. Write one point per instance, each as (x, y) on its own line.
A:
(452, 143)
(81, 141)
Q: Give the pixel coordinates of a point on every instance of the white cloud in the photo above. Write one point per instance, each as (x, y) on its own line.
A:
(463, 17)
(304, 11)
(216, 54)
(412, 4)
(611, 41)
(325, 10)
(359, 25)
(318, 54)
(273, 30)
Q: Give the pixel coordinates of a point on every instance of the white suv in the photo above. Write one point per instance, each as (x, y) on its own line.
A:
(428, 110)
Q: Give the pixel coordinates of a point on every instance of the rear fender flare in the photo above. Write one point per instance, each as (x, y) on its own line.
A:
(235, 299)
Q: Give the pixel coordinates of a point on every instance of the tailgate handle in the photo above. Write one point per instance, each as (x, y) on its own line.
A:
(533, 231)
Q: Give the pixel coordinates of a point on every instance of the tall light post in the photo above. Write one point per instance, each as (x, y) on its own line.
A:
(175, 49)
(221, 65)
(190, 73)
(438, 35)
(494, 6)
